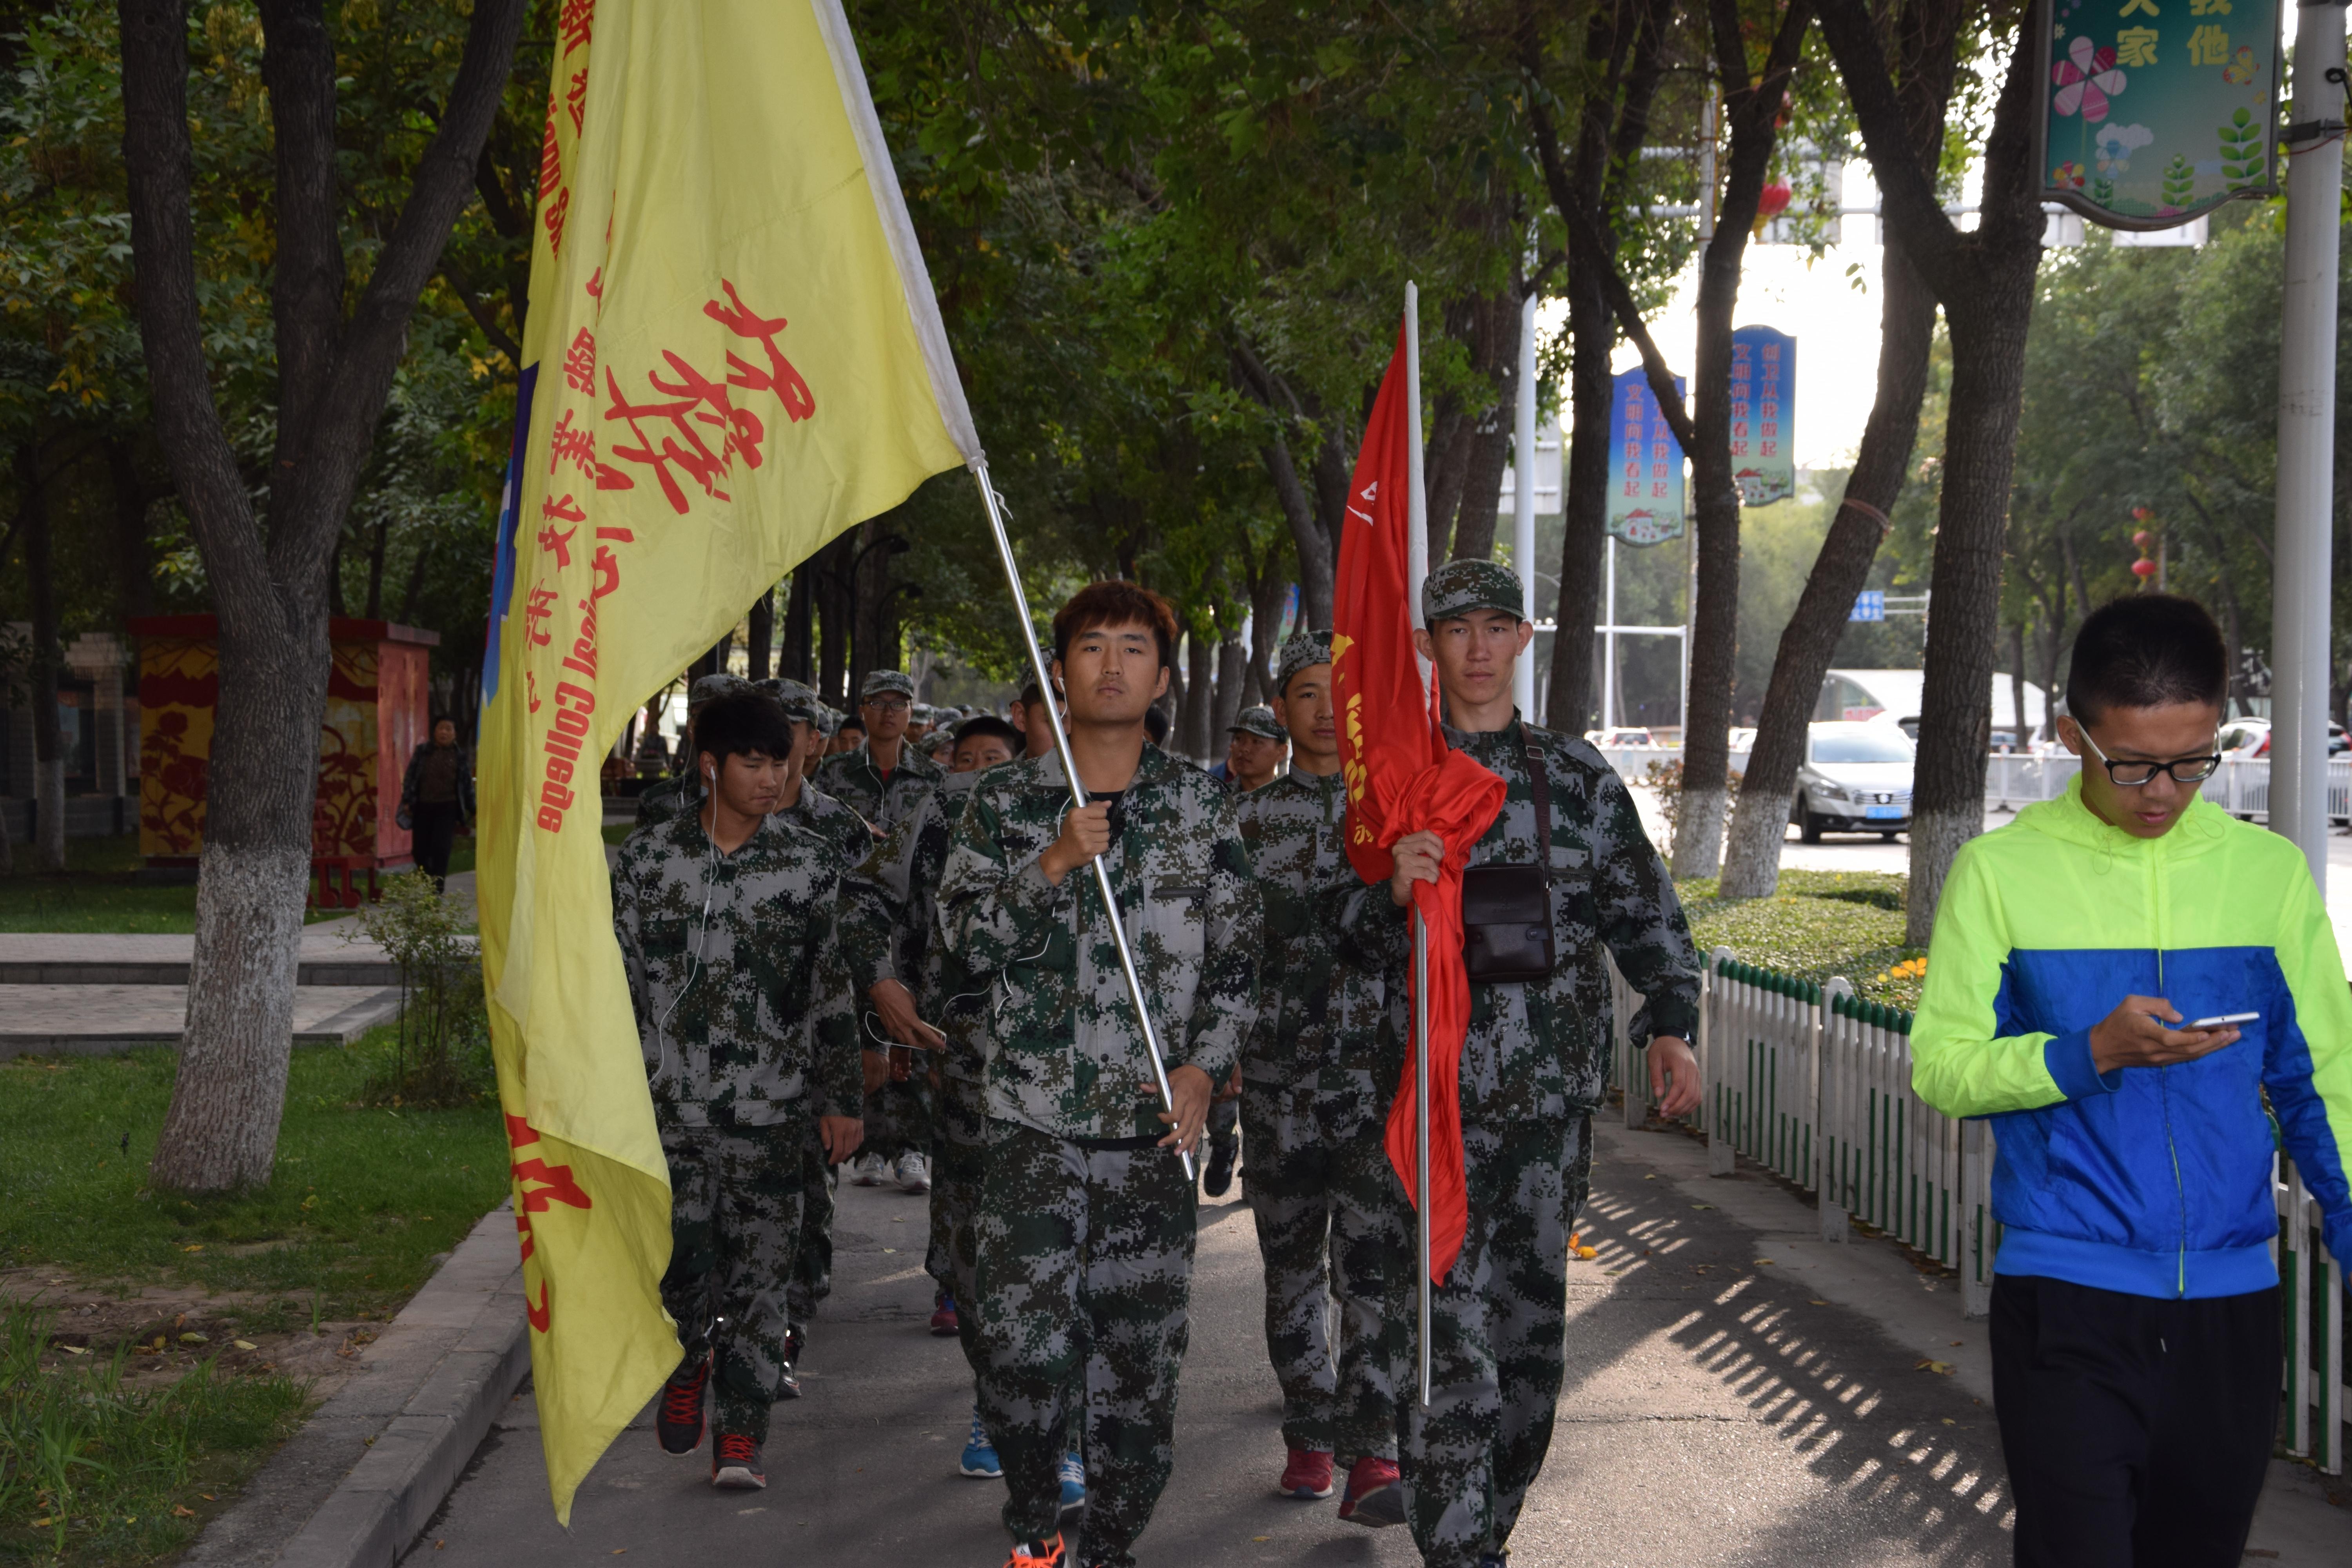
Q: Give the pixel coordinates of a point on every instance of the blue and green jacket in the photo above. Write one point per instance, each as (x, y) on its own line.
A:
(2152, 1181)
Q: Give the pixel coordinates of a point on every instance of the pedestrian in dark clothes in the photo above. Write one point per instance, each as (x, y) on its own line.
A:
(436, 800)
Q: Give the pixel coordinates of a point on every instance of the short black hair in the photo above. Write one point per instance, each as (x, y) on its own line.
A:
(2146, 650)
(1116, 603)
(742, 724)
(852, 722)
(1031, 695)
(989, 726)
(1155, 724)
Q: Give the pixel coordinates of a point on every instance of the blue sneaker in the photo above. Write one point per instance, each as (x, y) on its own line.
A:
(1074, 1485)
(980, 1455)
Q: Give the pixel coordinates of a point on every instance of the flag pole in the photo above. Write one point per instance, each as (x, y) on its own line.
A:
(1135, 993)
(1417, 568)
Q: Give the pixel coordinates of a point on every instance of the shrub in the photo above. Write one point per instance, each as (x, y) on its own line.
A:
(1818, 925)
(1666, 780)
(442, 1053)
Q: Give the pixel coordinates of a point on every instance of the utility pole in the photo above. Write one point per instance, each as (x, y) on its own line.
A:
(2301, 570)
(1523, 504)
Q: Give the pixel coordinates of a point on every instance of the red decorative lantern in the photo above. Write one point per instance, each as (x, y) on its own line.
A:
(2142, 568)
(1774, 201)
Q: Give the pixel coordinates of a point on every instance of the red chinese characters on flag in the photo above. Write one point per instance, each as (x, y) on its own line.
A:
(538, 1186)
(697, 427)
(576, 24)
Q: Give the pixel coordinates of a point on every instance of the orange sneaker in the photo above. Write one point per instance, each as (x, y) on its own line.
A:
(1036, 1555)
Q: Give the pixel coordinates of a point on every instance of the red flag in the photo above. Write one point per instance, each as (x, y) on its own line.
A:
(1404, 778)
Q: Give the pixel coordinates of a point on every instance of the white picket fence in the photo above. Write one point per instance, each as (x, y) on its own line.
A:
(2241, 786)
(1815, 1083)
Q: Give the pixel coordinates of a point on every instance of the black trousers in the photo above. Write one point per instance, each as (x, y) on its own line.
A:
(436, 830)
(2137, 1431)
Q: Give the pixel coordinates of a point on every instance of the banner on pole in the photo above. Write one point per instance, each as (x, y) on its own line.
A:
(1645, 492)
(2159, 112)
(733, 354)
(1763, 415)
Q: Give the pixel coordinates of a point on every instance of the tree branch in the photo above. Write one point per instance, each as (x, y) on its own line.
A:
(297, 64)
(1906, 189)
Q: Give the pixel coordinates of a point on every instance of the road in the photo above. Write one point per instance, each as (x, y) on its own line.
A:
(1718, 1410)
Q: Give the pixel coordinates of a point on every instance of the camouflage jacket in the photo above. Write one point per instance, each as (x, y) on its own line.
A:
(1609, 890)
(1295, 831)
(742, 1012)
(889, 927)
(1068, 1057)
(830, 820)
(854, 779)
(664, 798)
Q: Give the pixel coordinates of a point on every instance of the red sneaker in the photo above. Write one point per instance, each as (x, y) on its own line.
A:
(677, 1420)
(1375, 1494)
(1308, 1477)
(943, 1316)
(735, 1463)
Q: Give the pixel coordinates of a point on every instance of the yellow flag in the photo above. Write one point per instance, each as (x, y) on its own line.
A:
(733, 354)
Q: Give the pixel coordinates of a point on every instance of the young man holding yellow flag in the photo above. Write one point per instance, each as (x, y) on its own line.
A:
(726, 930)
(1086, 1210)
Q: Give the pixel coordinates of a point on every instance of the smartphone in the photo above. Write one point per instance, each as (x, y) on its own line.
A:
(2221, 1021)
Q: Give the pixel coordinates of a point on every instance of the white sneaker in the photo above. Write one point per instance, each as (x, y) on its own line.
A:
(865, 1170)
(914, 1172)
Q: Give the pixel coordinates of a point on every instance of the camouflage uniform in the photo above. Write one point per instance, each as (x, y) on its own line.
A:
(890, 932)
(811, 1279)
(741, 999)
(852, 775)
(1534, 1065)
(1319, 1178)
(1086, 1228)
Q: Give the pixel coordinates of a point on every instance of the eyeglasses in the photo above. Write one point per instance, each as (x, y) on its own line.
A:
(2131, 775)
(888, 705)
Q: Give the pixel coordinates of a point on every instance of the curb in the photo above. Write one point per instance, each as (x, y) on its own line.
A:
(366, 1473)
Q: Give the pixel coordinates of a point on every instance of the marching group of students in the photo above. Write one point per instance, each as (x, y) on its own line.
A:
(873, 954)
(863, 959)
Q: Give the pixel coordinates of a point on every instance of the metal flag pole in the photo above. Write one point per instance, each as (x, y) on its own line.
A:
(1417, 568)
(988, 498)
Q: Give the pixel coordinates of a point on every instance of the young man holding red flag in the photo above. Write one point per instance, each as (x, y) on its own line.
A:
(1531, 1067)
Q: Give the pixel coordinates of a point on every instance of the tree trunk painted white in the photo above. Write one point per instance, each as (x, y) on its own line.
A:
(49, 813)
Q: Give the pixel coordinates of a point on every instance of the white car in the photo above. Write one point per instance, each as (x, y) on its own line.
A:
(1855, 778)
(1622, 735)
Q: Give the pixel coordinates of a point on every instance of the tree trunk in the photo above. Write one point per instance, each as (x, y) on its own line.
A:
(1752, 107)
(1584, 509)
(2017, 682)
(1200, 662)
(269, 582)
(1751, 868)
(1450, 436)
(793, 662)
(134, 557)
(1985, 281)
(1233, 658)
(759, 632)
(832, 590)
(49, 730)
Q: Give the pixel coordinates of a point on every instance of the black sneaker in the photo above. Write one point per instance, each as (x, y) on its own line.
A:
(677, 1420)
(736, 1465)
(1218, 1179)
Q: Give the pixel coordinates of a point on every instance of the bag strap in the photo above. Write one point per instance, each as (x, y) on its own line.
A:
(1543, 808)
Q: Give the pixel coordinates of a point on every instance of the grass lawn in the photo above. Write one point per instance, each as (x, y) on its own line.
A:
(1818, 925)
(362, 1199)
(123, 1430)
(99, 891)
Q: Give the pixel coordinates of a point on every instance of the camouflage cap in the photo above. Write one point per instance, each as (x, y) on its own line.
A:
(1459, 587)
(1258, 720)
(798, 699)
(883, 680)
(710, 689)
(1303, 651)
(923, 713)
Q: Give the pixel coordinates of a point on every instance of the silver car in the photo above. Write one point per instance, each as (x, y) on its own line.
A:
(1856, 778)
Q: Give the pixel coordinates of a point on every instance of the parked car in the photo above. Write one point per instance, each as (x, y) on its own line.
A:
(1855, 778)
(1622, 735)
(2252, 738)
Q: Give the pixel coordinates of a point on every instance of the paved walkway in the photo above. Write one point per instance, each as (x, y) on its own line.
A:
(1738, 1393)
(95, 1019)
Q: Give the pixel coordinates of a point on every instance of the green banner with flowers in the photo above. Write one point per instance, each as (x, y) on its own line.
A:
(2156, 111)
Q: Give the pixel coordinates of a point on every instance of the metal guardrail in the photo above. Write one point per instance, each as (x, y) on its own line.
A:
(2241, 786)
(1815, 1083)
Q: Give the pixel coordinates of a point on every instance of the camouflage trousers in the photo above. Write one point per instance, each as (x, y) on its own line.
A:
(959, 1165)
(1083, 1284)
(1319, 1184)
(900, 1116)
(811, 1279)
(1499, 1322)
(735, 1218)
